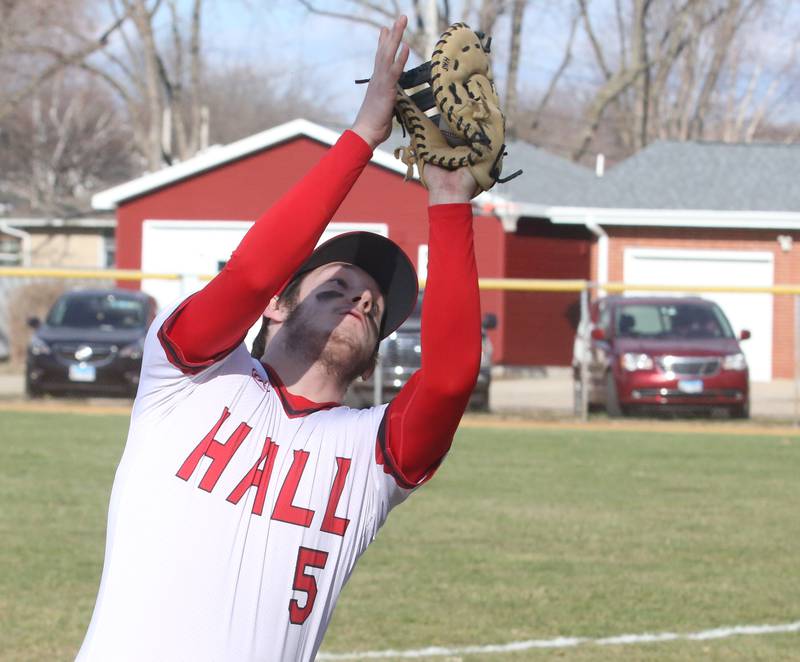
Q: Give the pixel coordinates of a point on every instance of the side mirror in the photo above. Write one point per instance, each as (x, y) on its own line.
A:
(744, 335)
(489, 321)
(598, 333)
(34, 322)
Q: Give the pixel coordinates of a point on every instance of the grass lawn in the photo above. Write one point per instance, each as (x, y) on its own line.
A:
(523, 534)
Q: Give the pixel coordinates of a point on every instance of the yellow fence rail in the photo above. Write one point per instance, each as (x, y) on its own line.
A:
(487, 284)
(584, 288)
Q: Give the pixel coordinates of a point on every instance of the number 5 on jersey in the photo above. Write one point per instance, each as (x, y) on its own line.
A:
(306, 558)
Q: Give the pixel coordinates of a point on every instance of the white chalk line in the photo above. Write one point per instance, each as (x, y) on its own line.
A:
(568, 642)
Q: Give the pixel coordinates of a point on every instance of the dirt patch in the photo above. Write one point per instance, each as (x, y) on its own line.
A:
(100, 407)
(90, 408)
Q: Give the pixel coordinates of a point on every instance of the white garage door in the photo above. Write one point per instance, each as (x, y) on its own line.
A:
(717, 268)
(189, 248)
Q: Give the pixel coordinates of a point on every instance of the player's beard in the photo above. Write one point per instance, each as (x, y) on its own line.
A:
(340, 354)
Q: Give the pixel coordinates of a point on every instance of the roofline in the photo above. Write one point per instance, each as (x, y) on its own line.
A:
(220, 154)
(685, 218)
(109, 222)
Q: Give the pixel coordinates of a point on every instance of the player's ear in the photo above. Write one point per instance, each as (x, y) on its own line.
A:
(275, 311)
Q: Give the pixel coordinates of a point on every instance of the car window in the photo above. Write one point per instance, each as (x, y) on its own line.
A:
(101, 311)
(689, 320)
(640, 320)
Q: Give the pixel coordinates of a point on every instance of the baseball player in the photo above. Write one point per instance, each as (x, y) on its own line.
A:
(246, 492)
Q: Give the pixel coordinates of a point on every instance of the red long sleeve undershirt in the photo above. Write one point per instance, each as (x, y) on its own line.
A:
(422, 419)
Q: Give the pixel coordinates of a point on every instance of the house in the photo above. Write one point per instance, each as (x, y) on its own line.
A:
(86, 243)
(694, 213)
(189, 217)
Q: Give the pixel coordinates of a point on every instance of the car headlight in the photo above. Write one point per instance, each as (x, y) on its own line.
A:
(734, 362)
(38, 346)
(632, 362)
(133, 351)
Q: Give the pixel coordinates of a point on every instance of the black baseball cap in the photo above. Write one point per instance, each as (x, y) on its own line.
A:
(382, 259)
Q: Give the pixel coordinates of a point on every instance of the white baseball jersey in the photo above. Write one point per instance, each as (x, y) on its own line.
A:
(237, 514)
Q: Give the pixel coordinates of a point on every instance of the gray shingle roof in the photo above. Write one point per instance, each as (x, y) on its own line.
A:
(697, 175)
(547, 179)
(665, 175)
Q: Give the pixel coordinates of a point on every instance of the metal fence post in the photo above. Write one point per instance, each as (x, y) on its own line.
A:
(584, 325)
(796, 298)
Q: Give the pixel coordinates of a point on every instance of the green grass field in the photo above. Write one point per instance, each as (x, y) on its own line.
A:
(523, 534)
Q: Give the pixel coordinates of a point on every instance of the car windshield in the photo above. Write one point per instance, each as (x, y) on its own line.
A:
(98, 311)
(673, 320)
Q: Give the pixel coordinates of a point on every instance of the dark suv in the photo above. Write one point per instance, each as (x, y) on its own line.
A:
(400, 355)
(90, 343)
(661, 352)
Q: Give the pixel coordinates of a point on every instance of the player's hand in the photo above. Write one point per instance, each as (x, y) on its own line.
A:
(449, 186)
(374, 120)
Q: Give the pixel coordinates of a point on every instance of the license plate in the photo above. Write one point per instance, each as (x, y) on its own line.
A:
(690, 385)
(82, 372)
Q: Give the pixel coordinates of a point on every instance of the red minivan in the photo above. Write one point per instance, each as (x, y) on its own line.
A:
(659, 353)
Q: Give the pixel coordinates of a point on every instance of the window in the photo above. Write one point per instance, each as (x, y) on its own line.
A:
(674, 320)
(10, 251)
(103, 311)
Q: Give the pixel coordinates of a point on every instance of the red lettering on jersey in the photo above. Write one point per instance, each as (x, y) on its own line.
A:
(257, 477)
(331, 523)
(285, 510)
(306, 558)
(220, 453)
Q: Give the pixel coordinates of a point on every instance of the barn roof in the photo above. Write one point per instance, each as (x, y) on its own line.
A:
(218, 155)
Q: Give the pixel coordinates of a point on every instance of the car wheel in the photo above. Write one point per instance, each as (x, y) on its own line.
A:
(480, 402)
(740, 411)
(32, 392)
(613, 408)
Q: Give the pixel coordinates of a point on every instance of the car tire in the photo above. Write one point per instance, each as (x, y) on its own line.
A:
(479, 401)
(740, 411)
(613, 408)
(32, 392)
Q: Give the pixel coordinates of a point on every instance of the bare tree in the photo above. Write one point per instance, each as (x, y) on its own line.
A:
(37, 43)
(510, 106)
(672, 60)
(60, 144)
(259, 99)
(539, 107)
(378, 15)
(484, 17)
(160, 82)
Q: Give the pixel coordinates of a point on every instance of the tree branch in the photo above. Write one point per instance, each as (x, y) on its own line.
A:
(63, 60)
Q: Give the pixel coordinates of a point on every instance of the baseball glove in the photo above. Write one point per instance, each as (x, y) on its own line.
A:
(467, 127)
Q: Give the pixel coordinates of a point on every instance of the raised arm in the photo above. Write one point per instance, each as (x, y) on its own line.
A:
(421, 421)
(215, 320)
